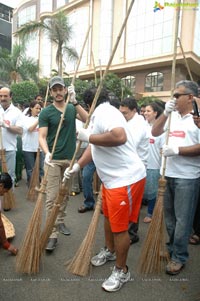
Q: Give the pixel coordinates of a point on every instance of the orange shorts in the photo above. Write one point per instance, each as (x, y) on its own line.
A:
(122, 205)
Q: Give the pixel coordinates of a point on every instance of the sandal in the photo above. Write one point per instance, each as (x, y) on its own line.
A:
(147, 219)
(194, 239)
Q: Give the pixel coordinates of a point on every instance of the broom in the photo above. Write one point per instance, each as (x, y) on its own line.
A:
(153, 255)
(80, 263)
(8, 198)
(35, 181)
(28, 257)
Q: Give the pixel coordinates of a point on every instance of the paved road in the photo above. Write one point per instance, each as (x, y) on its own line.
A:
(55, 283)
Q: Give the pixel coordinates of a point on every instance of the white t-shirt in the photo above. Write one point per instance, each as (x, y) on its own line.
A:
(117, 166)
(139, 131)
(155, 146)
(30, 140)
(12, 116)
(183, 132)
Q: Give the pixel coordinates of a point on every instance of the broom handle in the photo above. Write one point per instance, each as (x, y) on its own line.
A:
(2, 154)
(1, 140)
(101, 81)
(172, 79)
(44, 180)
(95, 75)
(46, 96)
(186, 63)
(68, 96)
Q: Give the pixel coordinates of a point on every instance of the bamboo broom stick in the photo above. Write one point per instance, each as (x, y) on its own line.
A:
(185, 60)
(153, 254)
(46, 96)
(80, 263)
(8, 198)
(34, 181)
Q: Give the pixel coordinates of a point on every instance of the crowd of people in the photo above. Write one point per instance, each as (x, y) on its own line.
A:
(126, 146)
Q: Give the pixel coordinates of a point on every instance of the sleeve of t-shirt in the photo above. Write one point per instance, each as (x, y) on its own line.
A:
(43, 119)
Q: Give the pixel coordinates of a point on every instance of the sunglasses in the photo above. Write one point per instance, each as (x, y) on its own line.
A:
(177, 95)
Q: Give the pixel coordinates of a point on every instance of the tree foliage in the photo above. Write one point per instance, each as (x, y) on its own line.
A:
(15, 66)
(58, 31)
(24, 92)
(148, 99)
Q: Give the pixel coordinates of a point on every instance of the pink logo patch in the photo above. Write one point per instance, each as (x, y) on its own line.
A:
(178, 134)
(7, 122)
(152, 141)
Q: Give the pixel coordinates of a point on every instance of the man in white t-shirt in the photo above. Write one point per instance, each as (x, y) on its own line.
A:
(122, 174)
(10, 123)
(139, 130)
(182, 171)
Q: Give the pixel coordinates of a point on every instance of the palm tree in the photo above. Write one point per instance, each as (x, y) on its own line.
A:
(58, 31)
(15, 66)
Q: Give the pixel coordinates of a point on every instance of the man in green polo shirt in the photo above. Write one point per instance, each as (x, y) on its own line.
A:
(57, 162)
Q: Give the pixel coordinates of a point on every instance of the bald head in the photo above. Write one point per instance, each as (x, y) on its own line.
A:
(5, 97)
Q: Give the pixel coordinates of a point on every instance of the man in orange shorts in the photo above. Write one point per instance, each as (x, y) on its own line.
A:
(122, 174)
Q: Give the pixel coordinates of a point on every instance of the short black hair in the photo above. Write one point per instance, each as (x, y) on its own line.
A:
(89, 95)
(6, 180)
(130, 103)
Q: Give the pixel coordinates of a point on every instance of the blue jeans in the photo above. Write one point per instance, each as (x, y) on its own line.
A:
(180, 203)
(88, 172)
(29, 160)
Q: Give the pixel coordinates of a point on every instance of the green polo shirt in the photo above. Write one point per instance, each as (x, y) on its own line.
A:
(66, 143)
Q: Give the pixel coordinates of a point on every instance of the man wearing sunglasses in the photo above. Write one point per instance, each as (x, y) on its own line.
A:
(182, 171)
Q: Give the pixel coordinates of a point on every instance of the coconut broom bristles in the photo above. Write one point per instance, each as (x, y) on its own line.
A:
(28, 257)
(79, 265)
(35, 181)
(154, 255)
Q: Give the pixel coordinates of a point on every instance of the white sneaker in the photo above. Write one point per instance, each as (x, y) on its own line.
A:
(103, 256)
(116, 280)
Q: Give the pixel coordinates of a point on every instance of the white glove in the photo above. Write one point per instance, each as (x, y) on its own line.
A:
(83, 135)
(169, 151)
(4, 124)
(72, 95)
(169, 107)
(68, 173)
(47, 160)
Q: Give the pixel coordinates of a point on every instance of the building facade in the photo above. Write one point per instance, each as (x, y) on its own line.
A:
(5, 26)
(143, 59)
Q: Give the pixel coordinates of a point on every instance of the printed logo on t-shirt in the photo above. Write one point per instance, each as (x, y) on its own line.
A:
(151, 140)
(178, 134)
(7, 122)
(123, 203)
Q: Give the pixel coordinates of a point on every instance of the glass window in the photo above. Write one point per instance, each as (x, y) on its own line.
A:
(150, 33)
(129, 82)
(79, 31)
(154, 82)
(106, 19)
(197, 32)
(61, 3)
(45, 6)
(26, 15)
(45, 54)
